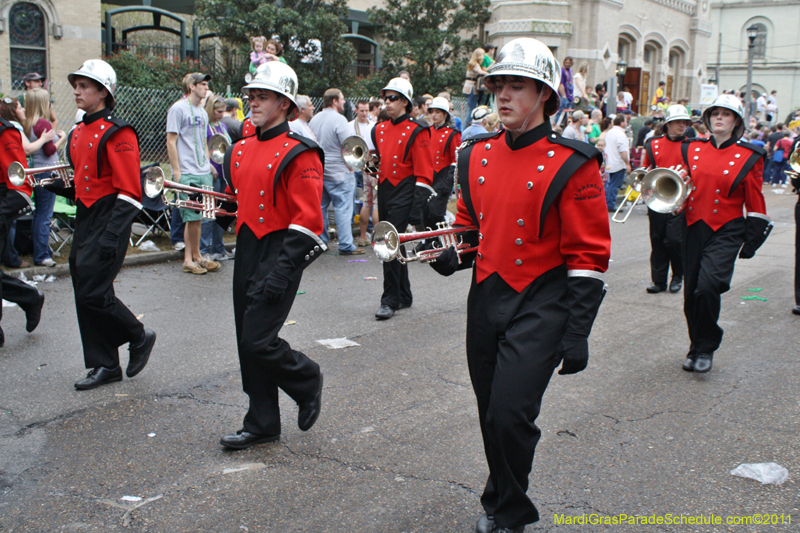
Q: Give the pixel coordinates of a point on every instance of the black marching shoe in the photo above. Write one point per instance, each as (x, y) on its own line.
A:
(796, 310)
(384, 312)
(485, 524)
(655, 288)
(243, 439)
(309, 412)
(675, 285)
(34, 314)
(2, 338)
(688, 364)
(99, 376)
(703, 362)
(140, 353)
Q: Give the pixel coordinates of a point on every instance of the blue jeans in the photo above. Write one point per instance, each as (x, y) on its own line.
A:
(778, 168)
(615, 180)
(176, 227)
(10, 255)
(211, 233)
(472, 103)
(341, 193)
(40, 226)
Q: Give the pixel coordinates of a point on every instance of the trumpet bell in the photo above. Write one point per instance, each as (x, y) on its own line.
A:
(794, 160)
(16, 173)
(664, 190)
(385, 241)
(217, 146)
(154, 182)
(355, 152)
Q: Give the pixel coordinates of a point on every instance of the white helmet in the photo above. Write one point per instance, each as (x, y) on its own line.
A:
(677, 112)
(728, 101)
(528, 58)
(101, 72)
(440, 103)
(277, 77)
(402, 86)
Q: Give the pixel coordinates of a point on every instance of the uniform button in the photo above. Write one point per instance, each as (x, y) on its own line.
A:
(395, 157)
(101, 127)
(521, 222)
(403, 134)
(716, 201)
(261, 206)
(269, 167)
(395, 165)
(690, 209)
(480, 236)
(480, 256)
(408, 127)
(737, 156)
(731, 163)
(540, 168)
(381, 139)
(242, 143)
(715, 211)
(691, 198)
(480, 216)
(694, 167)
(394, 172)
(261, 193)
(519, 242)
(551, 153)
(696, 158)
(95, 136)
(480, 180)
(316, 248)
(239, 152)
(484, 162)
(311, 253)
(307, 258)
(87, 189)
(237, 165)
(260, 220)
(717, 191)
(277, 154)
(694, 188)
(285, 145)
(530, 185)
(86, 178)
(236, 191)
(697, 149)
(518, 262)
(487, 146)
(86, 167)
(657, 154)
(90, 145)
(553, 135)
(725, 172)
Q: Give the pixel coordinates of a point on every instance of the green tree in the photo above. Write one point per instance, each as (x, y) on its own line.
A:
(301, 26)
(429, 38)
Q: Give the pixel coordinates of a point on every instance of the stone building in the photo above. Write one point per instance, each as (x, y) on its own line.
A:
(776, 65)
(659, 40)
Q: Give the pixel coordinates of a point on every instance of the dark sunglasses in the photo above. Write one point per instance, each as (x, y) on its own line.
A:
(393, 98)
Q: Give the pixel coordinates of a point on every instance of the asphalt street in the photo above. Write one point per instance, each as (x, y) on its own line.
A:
(397, 447)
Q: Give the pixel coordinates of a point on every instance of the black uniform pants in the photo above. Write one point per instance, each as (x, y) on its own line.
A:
(267, 361)
(666, 231)
(511, 350)
(709, 257)
(104, 321)
(435, 208)
(394, 206)
(14, 289)
(797, 252)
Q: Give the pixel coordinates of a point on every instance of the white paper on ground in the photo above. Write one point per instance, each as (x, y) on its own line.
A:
(334, 344)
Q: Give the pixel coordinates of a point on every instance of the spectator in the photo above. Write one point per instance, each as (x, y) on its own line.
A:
(660, 98)
(474, 71)
(492, 122)
(761, 105)
(780, 159)
(753, 139)
(617, 159)
(405, 75)
(338, 183)
(484, 96)
(362, 126)
(643, 131)
(305, 112)
(374, 109)
(187, 124)
(594, 135)
(566, 89)
(772, 107)
(417, 113)
(702, 131)
(229, 118)
(478, 123)
(275, 50)
(600, 91)
(212, 245)
(456, 120)
(579, 82)
(572, 131)
(37, 105)
(34, 80)
(772, 139)
(605, 126)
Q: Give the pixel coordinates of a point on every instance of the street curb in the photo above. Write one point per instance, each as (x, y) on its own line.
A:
(145, 258)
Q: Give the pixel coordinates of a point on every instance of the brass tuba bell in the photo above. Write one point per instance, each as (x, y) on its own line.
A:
(217, 146)
(664, 190)
(357, 156)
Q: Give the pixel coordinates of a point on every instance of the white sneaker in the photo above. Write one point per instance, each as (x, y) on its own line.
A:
(179, 246)
(47, 263)
(783, 186)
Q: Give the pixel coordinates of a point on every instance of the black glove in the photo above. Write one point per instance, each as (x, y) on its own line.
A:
(574, 351)
(108, 244)
(421, 196)
(275, 286)
(57, 187)
(196, 197)
(447, 263)
(757, 229)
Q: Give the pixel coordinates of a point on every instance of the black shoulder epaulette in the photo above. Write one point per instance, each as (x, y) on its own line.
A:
(695, 140)
(757, 149)
(414, 121)
(585, 149)
(122, 123)
(481, 137)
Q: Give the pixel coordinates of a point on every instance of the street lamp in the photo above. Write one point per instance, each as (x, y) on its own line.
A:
(611, 96)
(752, 33)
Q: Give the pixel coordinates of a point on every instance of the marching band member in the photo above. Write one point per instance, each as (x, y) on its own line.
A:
(795, 179)
(537, 280)
(666, 228)
(277, 178)
(15, 201)
(726, 177)
(404, 183)
(444, 142)
(104, 151)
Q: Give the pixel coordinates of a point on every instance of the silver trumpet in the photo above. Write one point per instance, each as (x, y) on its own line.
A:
(357, 156)
(664, 190)
(387, 242)
(633, 195)
(156, 184)
(217, 146)
(19, 175)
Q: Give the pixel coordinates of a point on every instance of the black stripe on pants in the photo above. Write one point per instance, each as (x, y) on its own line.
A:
(267, 361)
(394, 206)
(797, 252)
(666, 231)
(709, 259)
(104, 321)
(436, 207)
(511, 351)
(14, 289)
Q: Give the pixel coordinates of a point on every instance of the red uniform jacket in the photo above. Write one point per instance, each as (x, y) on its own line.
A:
(104, 151)
(661, 152)
(405, 150)
(724, 181)
(277, 179)
(538, 205)
(444, 142)
(11, 150)
(247, 128)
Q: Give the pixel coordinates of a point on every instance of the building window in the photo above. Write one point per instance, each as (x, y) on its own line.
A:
(760, 44)
(28, 35)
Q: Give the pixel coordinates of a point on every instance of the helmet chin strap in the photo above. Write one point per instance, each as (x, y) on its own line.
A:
(271, 111)
(521, 129)
(93, 109)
